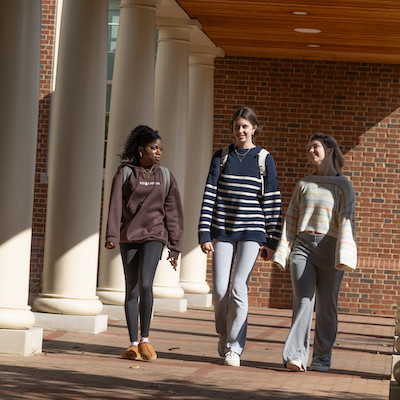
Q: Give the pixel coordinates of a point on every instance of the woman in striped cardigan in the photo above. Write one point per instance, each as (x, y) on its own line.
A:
(319, 243)
(241, 212)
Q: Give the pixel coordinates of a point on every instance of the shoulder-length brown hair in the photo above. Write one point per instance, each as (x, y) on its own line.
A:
(330, 142)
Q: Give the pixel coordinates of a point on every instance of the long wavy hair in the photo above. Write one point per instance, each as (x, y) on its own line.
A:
(250, 115)
(330, 142)
(142, 135)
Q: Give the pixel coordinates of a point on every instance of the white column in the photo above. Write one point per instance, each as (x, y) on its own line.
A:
(19, 99)
(199, 150)
(75, 163)
(132, 104)
(171, 118)
(171, 93)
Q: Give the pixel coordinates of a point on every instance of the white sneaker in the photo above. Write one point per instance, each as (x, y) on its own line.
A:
(232, 359)
(222, 345)
(295, 365)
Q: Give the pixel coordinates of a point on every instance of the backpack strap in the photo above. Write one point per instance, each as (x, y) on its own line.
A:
(262, 156)
(167, 178)
(224, 157)
(126, 173)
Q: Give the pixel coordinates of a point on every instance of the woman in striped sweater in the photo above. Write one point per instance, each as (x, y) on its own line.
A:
(319, 243)
(241, 212)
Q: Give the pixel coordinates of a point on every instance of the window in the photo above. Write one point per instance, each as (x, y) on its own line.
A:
(113, 21)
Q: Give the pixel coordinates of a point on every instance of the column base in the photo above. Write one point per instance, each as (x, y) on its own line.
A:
(159, 305)
(395, 368)
(58, 304)
(110, 296)
(394, 390)
(168, 292)
(21, 342)
(198, 300)
(114, 312)
(195, 287)
(72, 323)
(170, 305)
(13, 317)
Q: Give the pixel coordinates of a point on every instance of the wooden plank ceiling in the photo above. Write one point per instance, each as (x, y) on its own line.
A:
(350, 30)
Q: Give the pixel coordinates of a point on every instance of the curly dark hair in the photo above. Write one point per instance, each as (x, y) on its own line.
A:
(140, 136)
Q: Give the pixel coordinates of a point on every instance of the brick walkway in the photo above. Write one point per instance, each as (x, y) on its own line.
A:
(82, 366)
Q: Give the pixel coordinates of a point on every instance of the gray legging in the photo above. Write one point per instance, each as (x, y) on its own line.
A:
(140, 263)
(231, 308)
(314, 278)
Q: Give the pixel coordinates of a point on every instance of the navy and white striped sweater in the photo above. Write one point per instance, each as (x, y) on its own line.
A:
(233, 208)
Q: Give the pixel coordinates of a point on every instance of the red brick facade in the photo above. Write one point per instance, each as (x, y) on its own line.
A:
(40, 194)
(357, 103)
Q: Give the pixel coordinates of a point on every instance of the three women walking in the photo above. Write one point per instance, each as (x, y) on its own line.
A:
(240, 214)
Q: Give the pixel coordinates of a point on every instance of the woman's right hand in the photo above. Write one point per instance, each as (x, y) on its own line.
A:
(267, 254)
(110, 245)
(207, 247)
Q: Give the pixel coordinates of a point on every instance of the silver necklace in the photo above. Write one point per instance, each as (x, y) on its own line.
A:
(241, 156)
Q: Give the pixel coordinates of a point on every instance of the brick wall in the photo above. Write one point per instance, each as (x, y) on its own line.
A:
(357, 103)
(40, 191)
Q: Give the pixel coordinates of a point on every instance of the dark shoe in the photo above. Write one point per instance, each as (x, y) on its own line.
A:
(146, 351)
(319, 367)
(131, 353)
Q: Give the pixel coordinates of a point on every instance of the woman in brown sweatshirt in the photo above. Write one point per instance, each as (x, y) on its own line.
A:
(145, 214)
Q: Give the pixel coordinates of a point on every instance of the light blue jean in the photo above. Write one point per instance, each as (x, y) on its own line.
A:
(315, 280)
(230, 300)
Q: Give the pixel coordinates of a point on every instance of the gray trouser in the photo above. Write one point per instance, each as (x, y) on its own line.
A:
(313, 272)
(231, 309)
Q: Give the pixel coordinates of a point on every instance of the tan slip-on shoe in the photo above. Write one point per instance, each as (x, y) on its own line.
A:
(146, 351)
(131, 353)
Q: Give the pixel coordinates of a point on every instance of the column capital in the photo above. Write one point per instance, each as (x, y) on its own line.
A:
(207, 52)
(177, 23)
(138, 4)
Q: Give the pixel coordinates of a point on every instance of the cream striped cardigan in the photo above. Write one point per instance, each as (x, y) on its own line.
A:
(321, 204)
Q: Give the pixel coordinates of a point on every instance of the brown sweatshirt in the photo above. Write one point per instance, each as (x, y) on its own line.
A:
(159, 218)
